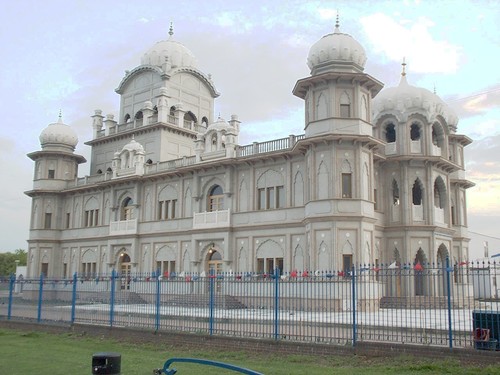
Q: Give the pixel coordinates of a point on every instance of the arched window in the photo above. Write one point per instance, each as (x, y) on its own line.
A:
(204, 121)
(395, 193)
(138, 115)
(345, 105)
(155, 109)
(346, 179)
(127, 211)
(189, 116)
(415, 132)
(172, 111)
(439, 193)
(99, 171)
(390, 133)
(215, 199)
(417, 192)
(109, 170)
(126, 118)
(149, 161)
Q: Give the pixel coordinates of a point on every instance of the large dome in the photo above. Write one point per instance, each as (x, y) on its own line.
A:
(177, 54)
(58, 135)
(406, 99)
(336, 51)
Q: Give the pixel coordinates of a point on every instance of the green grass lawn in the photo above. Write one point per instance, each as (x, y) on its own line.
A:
(61, 354)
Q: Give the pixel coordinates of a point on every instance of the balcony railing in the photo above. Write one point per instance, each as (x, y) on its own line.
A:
(213, 219)
(123, 227)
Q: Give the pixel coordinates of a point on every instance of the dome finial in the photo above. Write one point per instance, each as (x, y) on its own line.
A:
(337, 23)
(171, 30)
(403, 73)
(434, 91)
(60, 117)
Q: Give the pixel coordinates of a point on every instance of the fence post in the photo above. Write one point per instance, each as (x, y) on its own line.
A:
(112, 299)
(73, 299)
(211, 304)
(448, 287)
(354, 327)
(12, 281)
(276, 302)
(40, 295)
(158, 295)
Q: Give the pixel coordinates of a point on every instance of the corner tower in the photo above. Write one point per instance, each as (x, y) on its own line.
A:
(338, 93)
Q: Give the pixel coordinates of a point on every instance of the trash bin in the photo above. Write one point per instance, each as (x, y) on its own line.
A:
(106, 363)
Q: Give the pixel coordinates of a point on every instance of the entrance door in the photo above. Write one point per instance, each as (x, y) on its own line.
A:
(215, 263)
(125, 268)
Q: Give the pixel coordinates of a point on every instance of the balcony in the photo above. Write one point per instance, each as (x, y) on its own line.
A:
(390, 149)
(214, 219)
(117, 228)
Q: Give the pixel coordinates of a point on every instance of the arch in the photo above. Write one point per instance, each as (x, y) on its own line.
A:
(438, 135)
(298, 189)
(138, 115)
(365, 187)
(167, 192)
(417, 192)
(323, 257)
(204, 121)
(99, 171)
(321, 106)
(395, 193)
(442, 258)
(420, 279)
(91, 204)
(242, 260)
(190, 116)
(188, 203)
(415, 131)
(394, 277)
(165, 253)
(270, 178)
(299, 259)
(127, 209)
(364, 108)
(269, 257)
(345, 105)
(346, 179)
(323, 178)
(186, 261)
(215, 199)
(390, 132)
(243, 196)
(126, 118)
(172, 111)
(439, 193)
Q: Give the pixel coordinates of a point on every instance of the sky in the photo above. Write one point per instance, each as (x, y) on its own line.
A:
(70, 55)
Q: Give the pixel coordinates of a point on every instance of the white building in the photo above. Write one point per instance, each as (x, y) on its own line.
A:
(378, 177)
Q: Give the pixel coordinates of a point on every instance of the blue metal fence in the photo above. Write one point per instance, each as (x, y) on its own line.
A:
(429, 304)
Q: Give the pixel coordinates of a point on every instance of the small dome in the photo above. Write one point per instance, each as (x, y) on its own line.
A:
(58, 134)
(406, 99)
(336, 51)
(169, 50)
(134, 146)
(220, 124)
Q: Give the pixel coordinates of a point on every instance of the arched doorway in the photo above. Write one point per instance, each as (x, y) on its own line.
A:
(214, 262)
(125, 267)
(420, 281)
(394, 274)
(442, 256)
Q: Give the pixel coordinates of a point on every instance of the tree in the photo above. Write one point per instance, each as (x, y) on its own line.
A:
(8, 261)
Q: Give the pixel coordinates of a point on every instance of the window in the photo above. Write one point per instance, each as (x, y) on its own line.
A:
(166, 209)
(138, 115)
(48, 220)
(345, 110)
(89, 269)
(68, 220)
(417, 193)
(65, 270)
(216, 199)
(91, 218)
(127, 212)
(390, 133)
(52, 174)
(45, 269)
(127, 118)
(165, 267)
(271, 197)
(395, 193)
(415, 132)
(347, 264)
(268, 265)
(346, 185)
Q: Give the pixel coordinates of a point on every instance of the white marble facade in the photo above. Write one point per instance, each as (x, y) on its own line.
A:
(377, 178)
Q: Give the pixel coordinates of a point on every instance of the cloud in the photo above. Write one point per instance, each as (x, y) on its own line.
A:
(413, 40)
